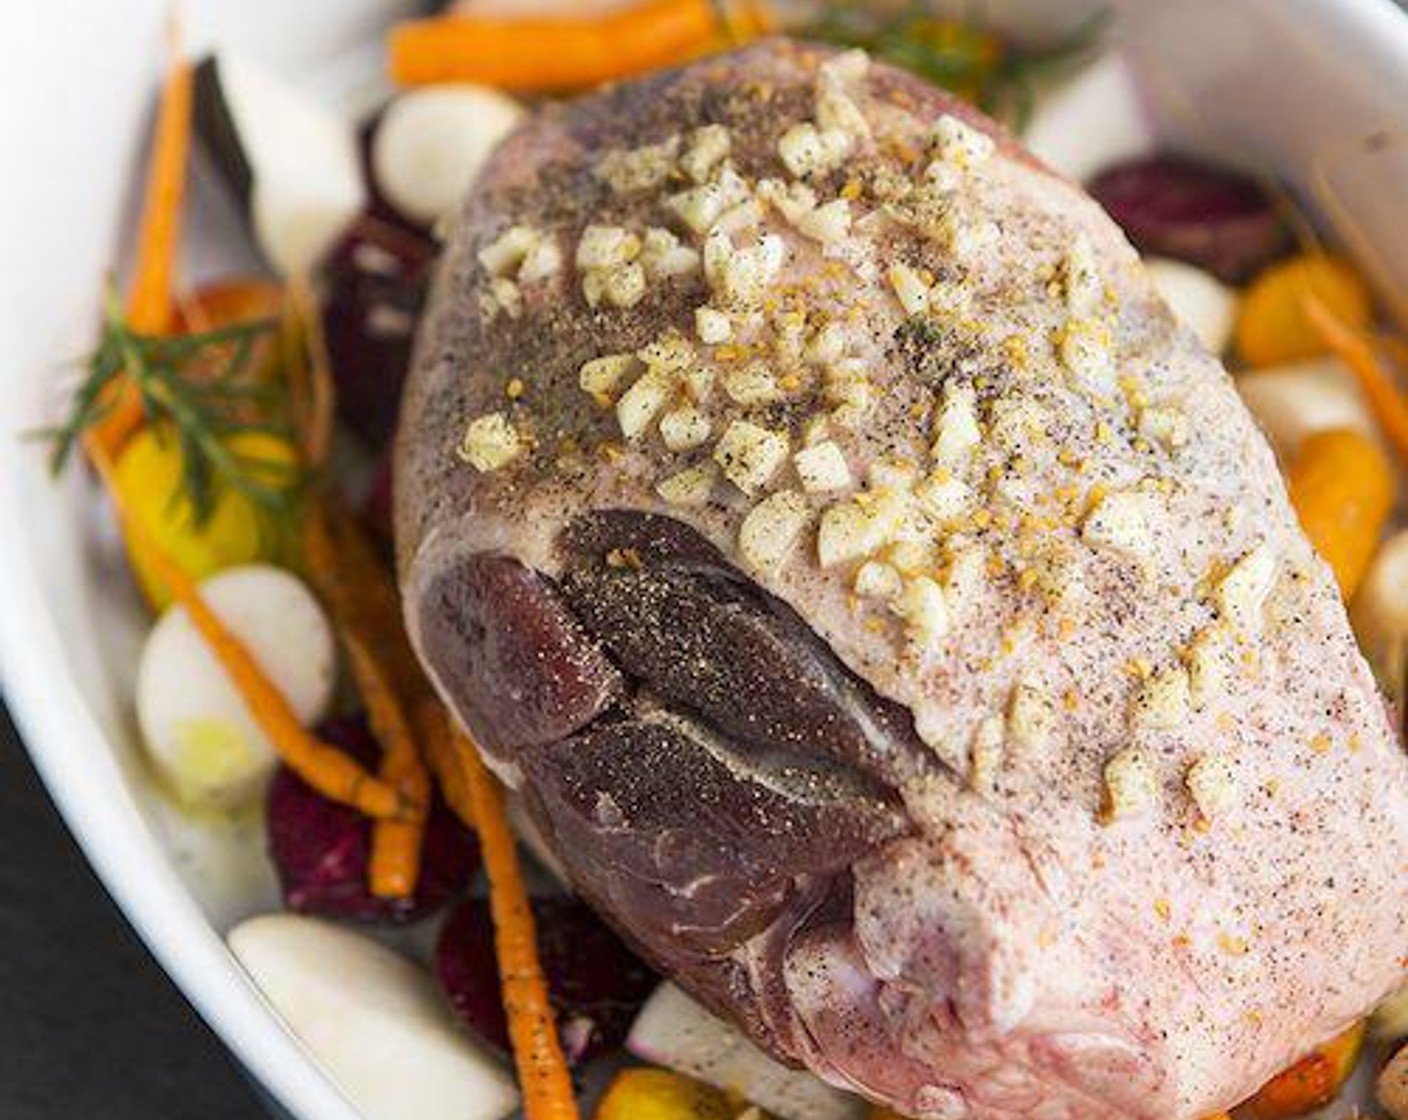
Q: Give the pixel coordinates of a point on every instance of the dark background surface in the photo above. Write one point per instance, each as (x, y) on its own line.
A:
(90, 1027)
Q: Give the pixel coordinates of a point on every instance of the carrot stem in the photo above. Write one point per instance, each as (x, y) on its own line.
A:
(394, 867)
(310, 374)
(1387, 402)
(325, 768)
(151, 307)
(358, 593)
(435, 732)
(533, 54)
(537, 1053)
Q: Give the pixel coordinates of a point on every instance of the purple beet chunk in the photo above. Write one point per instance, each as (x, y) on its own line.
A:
(1178, 207)
(376, 279)
(320, 848)
(595, 983)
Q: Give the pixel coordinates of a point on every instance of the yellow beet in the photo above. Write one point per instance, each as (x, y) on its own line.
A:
(1309, 1084)
(1272, 328)
(658, 1094)
(1342, 487)
(237, 532)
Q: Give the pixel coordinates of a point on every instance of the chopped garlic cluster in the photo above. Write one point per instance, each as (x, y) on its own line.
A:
(490, 442)
(1131, 785)
(520, 255)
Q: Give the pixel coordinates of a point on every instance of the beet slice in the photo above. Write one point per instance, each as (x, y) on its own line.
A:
(320, 848)
(1175, 206)
(595, 983)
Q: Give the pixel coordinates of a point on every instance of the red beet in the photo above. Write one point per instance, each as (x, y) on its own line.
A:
(595, 983)
(376, 279)
(1178, 207)
(320, 848)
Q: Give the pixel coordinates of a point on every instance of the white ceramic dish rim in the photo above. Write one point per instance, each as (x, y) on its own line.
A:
(67, 742)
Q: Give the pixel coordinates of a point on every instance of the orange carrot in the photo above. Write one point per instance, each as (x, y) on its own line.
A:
(1271, 325)
(359, 595)
(237, 299)
(544, 53)
(537, 1053)
(1388, 403)
(436, 734)
(151, 302)
(396, 844)
(362, 599)
(325, 768)
(1341, 485)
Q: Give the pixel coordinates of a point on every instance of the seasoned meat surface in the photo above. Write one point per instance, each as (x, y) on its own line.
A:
(893, 620)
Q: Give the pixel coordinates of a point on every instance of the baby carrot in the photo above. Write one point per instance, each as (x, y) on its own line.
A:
(151, 304)
(547, 53)
(325, 768)
(150, 301)
(358, 593)
(436, 734)
(396, 844)
(1388, 403)
(537, 1053)
(1341, 485)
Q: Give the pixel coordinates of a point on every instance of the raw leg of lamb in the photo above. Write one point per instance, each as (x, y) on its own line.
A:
(892, 618)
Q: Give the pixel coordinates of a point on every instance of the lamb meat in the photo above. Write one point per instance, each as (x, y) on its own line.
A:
(894, 622)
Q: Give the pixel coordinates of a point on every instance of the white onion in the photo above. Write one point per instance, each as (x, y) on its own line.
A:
(199, 734)
(432, 142)
(674, 1031)
(374, 1021)
(1296, 401)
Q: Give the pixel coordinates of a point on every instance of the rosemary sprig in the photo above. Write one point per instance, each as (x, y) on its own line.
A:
(963, 55)
(200, 389)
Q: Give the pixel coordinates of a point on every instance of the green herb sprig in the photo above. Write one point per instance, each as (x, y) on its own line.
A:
(962, 54)
(200, 389)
